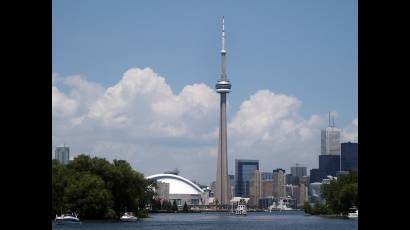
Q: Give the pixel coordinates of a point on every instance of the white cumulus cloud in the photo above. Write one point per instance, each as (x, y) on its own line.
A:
(350, 133)
(142, 120)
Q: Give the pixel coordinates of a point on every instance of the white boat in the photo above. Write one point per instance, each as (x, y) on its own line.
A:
(281, 206)
(128, 217)
(353, 213)
(68, 217)
(241, 208)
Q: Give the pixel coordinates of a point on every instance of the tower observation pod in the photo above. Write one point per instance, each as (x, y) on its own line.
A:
(223, 85)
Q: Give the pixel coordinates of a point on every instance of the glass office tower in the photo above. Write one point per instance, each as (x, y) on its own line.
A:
(62, 154)
(244, 170)
(349, 156)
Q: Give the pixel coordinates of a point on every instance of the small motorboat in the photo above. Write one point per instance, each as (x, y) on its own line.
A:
(128, 217)
(69, 217)
(353, 213)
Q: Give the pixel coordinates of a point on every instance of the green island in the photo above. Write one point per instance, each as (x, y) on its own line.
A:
(95, 188)
(339, 196)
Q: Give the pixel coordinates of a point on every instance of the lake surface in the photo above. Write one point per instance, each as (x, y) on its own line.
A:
(286, 220)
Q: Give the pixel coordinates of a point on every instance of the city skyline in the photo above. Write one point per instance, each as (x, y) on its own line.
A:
(125, 95)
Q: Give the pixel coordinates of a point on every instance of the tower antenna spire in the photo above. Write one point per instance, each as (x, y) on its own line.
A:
(329, 120)
(223, 51)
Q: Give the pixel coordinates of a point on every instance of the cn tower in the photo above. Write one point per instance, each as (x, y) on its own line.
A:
(223, 86)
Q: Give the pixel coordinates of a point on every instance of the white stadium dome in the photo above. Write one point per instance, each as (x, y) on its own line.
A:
(177, 184)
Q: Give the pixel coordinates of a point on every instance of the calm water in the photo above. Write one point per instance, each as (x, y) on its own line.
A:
(199, 221)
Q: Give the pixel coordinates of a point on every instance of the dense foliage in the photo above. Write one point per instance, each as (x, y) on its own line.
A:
(340, 195)
(159, 205)
(96, 188)
(185, 208)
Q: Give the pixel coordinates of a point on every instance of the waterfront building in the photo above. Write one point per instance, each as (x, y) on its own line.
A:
(349, 156)
(302, 195)
(279, 182)
(291, 191)
(267, 188)
(265, 202)
(62, 154)
(255, 192)
(244, 170)
(223, 86)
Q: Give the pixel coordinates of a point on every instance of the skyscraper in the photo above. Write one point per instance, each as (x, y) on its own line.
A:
(291, 179)
(315, 176)
(244, 170)
(279, 182)
(255, 190)
(330, 140)
(223, 87)
(298, 171)
(62, 154)
(349, 156)
(329, 160)
(303, 195)
(329, 165)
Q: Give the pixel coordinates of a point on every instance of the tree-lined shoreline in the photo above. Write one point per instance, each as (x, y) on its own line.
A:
(98, 189)
(339, 194)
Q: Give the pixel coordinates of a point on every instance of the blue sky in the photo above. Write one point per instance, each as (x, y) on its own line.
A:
(307, 49)
(289, 62)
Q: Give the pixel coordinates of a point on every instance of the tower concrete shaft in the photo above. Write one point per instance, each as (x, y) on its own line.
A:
(222, 87)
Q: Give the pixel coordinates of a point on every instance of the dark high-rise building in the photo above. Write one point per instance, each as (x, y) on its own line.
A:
(315, 176)
(244, 170)
(291, 179)
(329, 165)
(349, 156)
(298, 171)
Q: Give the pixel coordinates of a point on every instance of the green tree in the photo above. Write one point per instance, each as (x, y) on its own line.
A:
(320, 209)
(341, 194)
(114, 185)
(185, 209)
(168, 206)
(307, 208)
(174, 206)
(87, 195)
(58, 183)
